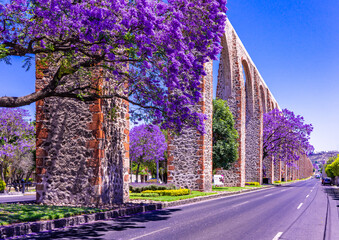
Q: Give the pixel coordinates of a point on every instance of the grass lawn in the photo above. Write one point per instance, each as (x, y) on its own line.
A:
(253, 186)
(234, 189)
(170, 198)
(228, 189)
(15, 213)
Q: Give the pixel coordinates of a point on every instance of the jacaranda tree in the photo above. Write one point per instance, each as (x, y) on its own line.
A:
(286, 136)
(17, 138)
(225, 136)
(147, 144)
(149, 52)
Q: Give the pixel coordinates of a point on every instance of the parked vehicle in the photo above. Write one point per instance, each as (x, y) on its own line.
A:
(326, 180)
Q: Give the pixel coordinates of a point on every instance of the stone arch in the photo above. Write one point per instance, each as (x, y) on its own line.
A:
(263, 100)
(225, 84)
(248, 83)
(230, 87)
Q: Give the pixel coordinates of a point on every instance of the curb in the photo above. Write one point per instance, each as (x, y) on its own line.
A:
(20, 229)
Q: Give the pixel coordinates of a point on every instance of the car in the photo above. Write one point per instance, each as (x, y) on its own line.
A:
(326, 180)
(317, 176)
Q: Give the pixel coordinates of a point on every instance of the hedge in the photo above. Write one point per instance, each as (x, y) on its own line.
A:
(153, 187)
(252, 183)
(177, 192)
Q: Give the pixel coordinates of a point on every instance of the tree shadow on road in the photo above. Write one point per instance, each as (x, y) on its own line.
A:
(97, 230)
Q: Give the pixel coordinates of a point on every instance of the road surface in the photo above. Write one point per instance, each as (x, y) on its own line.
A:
(17, 198)
(300, 211)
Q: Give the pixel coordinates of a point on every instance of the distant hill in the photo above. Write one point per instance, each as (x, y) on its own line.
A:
(322, 157)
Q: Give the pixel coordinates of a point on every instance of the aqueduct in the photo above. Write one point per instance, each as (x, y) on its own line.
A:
(83, 155)
(240, 83)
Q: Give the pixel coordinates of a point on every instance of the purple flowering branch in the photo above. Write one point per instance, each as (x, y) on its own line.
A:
(286, 136)
(153, 52)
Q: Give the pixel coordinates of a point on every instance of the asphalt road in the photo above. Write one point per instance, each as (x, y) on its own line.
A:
(301, 211)
(17, 198)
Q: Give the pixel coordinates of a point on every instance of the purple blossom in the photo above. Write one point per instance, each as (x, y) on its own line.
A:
(165, 45)
(286, 136)
(16, 134)
(147, 143)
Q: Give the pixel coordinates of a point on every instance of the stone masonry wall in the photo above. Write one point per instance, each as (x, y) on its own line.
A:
(82, 153)
(190, 154)
(277, 171)
(246, 105)
(231, 88)
(254, 133)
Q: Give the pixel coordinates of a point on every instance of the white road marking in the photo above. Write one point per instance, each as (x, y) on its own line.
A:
(150, 233)
(311, 190)
(268, 195)
(299, 205)
(307, 195)
(241, 204)
(283, 190)
(277, 236)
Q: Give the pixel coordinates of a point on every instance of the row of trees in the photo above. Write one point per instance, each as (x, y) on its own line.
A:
(332, 167)
(17, 146)
(286, 138)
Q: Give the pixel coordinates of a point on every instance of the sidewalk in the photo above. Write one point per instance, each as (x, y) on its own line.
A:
(16, 194)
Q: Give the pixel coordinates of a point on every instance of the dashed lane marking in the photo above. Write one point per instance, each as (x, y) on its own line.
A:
(307, 195)
(268, 195)
(241, 204)
(299, 205)
(138, 237)
(277, 236)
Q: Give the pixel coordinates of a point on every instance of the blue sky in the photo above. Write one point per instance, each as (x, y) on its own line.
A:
(294, 45)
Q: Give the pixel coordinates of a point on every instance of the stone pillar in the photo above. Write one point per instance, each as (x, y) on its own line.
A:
(190, 154)
(269, 169)
(289, 175)
(284, 171)
(82, 155)
(254, 129)
(231, 88)
(277, 171)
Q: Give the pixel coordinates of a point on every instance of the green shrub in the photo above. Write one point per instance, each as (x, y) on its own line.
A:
(177, 192)
(277, 181)
(2, 186)
(149, 194)
(153, 187)
(252, 183)
(329, 171)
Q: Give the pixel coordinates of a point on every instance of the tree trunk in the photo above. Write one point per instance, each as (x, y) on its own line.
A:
(2, 172)
(137, 172)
